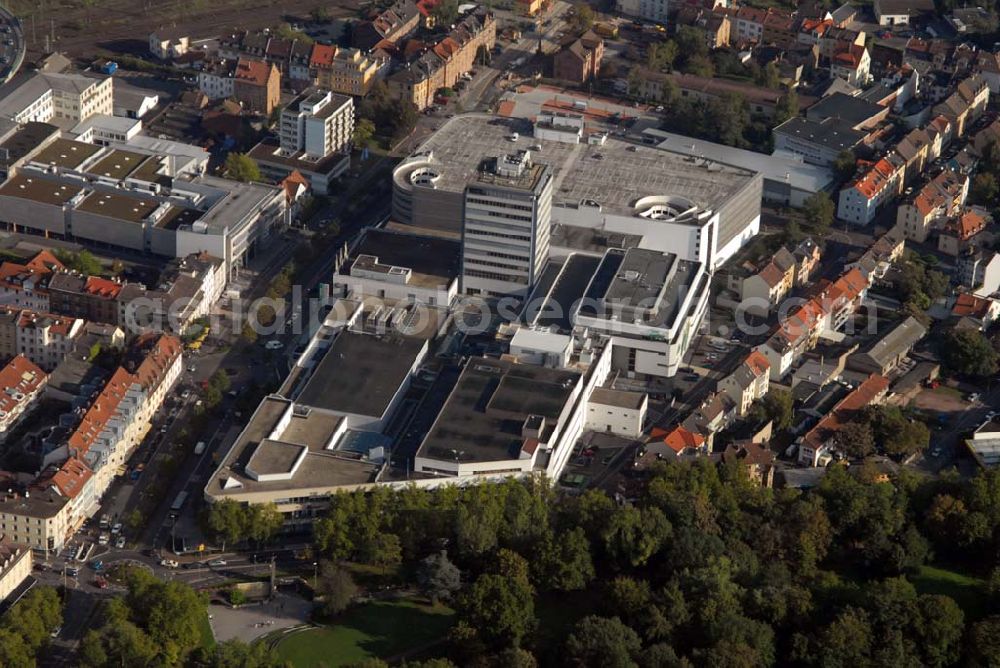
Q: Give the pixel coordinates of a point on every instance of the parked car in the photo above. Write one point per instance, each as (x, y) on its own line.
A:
(103, 539)
(169, 563)
(216, 563)
(116, 529)
(120, 543)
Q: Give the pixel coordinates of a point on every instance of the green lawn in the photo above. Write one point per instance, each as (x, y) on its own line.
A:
(205, 629)
(968, 592)
(382, 629)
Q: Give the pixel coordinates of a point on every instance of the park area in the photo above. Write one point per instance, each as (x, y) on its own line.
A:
(383, 629)
(969, 592)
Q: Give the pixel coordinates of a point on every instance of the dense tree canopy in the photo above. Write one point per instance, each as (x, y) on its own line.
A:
(703, 569)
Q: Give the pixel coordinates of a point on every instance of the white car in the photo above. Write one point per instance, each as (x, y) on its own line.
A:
(103, 539)
(116, 529)
(169, 563)
(120, 543)
(274, 345)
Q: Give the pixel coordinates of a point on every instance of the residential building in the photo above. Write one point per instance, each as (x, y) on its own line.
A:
(44, 338)
(257, 85)
(391, 25)
(762, 289)
(900, 12)
(981, 312)
(345, 71)
(818, 445)
(21, 386)
(579, 61)
(966, 104)
(169, 43)
(617, 412)
(24, 285)
(315, 135)
(960, 233)
(979, 271)
(15, 566)
(876, 261)
(886, 352)
(120, 416)
(57, 96)
(506, 226)
(756, 458)
(651, 10)
(749, 24)
(442, 65)
(216, 79)
(852, 64)
(748, 383)
(861, 200)
(942, 197)
(38, 519)
(675, 443)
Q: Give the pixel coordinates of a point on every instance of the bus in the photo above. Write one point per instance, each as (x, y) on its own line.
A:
(179, 501)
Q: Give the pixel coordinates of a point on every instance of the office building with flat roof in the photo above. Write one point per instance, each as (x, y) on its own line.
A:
(701, 209)
(138, 196)
(506, 226)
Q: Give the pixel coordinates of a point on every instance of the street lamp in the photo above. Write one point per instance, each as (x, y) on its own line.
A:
(315, 564)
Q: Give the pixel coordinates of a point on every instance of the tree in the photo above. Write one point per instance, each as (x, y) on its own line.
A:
(123, 644)
(661, 56)
(320, 14)
(896, 434)
(14, 651)
(726, 118)
(844, 165)
(699, 66)
(238, 654)
(501, 609)
(248, 334)
(968, 352)
(263, 521)
(633, 536)
(583, 16)
(602, 641)
(855, 439)
(983, 643)
(818, 210)
(241, 167)
(364, 131)
(384, 551)
(776, 406)
(336, 588)
(939, 630)
(445, 12)
(438, 578)
(770, 76)
(691, 42)
(564, 562)
(226, 520)
(984, 189)
(236, 596)
(787, 107)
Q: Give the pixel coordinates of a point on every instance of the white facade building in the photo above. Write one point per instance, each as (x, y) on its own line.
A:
(506, 226)
(317, 124)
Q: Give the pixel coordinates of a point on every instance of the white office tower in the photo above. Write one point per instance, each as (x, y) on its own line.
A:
(318, 123)
(506, 224)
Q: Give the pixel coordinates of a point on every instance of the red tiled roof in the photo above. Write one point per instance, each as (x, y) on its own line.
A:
(322, 55)
(971, 305)
(969, 224)
(757, 363)
(253, 71)
(71, 477)
(866, 393)
(102, 287)
(18, 376)
(679, 438)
